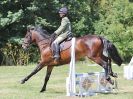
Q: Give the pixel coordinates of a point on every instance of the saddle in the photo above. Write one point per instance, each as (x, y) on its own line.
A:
(65, 45)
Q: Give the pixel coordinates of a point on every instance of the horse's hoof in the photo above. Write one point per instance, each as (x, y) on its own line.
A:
(115, 75)
(22, 81)
(111, 82)
(43, 90)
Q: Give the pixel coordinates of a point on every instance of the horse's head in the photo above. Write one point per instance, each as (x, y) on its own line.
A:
(35, 34)
(28, 39)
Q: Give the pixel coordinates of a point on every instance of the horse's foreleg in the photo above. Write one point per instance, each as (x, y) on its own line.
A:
(107, 73)
(104, 64)
(110, 69)
(48, 73)
(38, 68)
(107, 68)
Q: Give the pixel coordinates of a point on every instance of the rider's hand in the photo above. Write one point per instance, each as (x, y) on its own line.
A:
(53, 35)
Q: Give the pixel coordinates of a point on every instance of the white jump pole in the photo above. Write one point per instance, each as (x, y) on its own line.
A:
(70, 81)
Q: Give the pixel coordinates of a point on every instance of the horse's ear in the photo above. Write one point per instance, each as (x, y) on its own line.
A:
(30, 28)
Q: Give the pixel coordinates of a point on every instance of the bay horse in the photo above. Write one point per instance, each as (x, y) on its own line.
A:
(91, 46)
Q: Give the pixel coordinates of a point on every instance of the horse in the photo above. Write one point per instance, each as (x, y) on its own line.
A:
(91, 46)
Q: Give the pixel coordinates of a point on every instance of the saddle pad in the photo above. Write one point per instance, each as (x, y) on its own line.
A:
(65, 45)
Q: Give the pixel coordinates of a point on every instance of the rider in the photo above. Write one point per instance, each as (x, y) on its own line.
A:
(62, 33)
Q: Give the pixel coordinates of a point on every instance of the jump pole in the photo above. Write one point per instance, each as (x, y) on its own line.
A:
(70, 80)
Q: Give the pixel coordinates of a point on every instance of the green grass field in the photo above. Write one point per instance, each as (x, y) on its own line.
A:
(10, 87)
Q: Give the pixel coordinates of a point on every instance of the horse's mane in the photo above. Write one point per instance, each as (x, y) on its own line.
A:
(41, 31)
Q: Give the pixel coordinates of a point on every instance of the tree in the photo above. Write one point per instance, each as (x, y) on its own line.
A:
(116, 23)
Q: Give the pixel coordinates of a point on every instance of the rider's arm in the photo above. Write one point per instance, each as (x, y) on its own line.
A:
(62, 27)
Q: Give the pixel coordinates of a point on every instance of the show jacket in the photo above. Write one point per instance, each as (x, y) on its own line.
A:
(65, 28)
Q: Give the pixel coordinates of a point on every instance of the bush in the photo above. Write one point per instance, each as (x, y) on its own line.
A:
(13, 54)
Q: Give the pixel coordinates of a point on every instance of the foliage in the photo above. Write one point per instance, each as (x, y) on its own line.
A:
(14, 55)
(116, 23)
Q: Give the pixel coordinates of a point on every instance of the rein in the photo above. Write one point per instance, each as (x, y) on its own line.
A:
(41, 42)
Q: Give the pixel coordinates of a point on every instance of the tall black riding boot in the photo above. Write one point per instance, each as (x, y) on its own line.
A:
(56, 52)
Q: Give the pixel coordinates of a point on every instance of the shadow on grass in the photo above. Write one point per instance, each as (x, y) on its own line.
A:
(55, 91)
(116, 93)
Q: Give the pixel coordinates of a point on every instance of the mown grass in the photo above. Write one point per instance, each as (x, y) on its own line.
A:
(10, 87)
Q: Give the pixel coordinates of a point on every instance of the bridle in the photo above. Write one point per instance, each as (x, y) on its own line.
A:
(27, 40)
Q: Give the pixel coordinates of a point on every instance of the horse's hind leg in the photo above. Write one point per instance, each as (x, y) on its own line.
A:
(48, 73)
(38, 68)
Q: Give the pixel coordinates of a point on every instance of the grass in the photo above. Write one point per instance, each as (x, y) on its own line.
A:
(10, 87)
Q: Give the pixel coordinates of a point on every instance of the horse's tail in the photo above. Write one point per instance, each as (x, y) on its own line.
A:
(112, 51)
